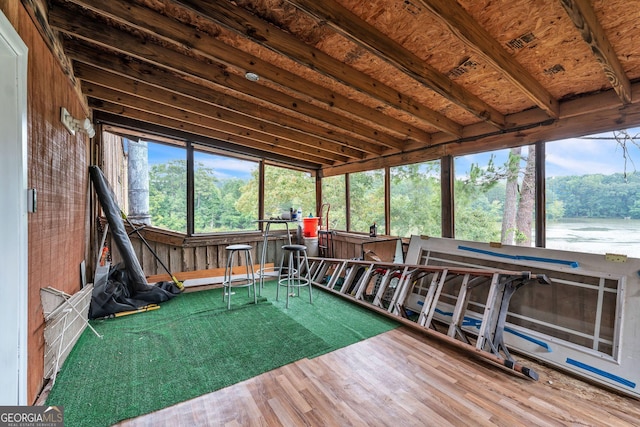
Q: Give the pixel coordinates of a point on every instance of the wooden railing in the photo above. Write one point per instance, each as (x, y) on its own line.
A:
(182, 253)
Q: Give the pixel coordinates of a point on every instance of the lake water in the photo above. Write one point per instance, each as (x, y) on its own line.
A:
(600, 236)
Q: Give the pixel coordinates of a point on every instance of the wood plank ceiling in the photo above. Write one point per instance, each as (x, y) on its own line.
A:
(345, 85)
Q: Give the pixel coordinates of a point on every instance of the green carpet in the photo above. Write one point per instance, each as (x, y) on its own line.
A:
(193, 345)
(334, 319)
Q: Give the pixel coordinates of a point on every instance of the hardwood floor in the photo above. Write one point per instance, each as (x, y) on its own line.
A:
(401, 378)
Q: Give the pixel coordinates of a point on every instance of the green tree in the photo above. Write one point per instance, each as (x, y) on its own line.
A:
(334, 195)
(287, 189)
(512, 210)
(207, 202)
(215, 200)
(168, 195)
(526, 200)
(284, 189)
(415, 199)
(231, 218)
(596, 195)
(477, 218)
(509, 226)
(247, 203)
(555, 210)
(366, 190)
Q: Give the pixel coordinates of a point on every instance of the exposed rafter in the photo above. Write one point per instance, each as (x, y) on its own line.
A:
(345, 85)
(240, 21)
(100, 84)
(143, 49)
(584, 18)
(350, 26)
(173, 31)
(89, 64)
(479, 40)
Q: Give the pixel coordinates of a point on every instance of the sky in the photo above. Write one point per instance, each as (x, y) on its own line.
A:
(223, 167)
(573, 156)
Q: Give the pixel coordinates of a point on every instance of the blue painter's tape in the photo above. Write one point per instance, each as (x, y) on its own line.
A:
(470, 321)
(466, 321)
(482, 251)
(444, 313)
(528, 338)
(602, 373)
(572, 264)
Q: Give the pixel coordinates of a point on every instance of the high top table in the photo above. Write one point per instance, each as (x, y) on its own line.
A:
(262, 273)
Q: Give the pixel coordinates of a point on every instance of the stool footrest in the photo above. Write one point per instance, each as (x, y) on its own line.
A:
(297, 271)
(247, 280)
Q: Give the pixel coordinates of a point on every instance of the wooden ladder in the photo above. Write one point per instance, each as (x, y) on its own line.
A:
(427, 297)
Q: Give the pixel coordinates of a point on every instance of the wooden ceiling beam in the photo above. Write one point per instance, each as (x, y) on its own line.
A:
(175, 120)
(360, 32)
(64, 20)
(38, 12)
(92, 75)
(480, 41)
(250, 27)
(584, 18)
(114, 96)
(161, 79)
(139, 129)
(173, 31)
(591, 114)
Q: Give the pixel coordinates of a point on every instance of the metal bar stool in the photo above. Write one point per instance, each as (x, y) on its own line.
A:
(294, 278)
(270, 271)
(230, 282)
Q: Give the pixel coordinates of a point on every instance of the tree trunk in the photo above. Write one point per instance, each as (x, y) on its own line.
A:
(524, 218)
(511, 198)
(138, 182)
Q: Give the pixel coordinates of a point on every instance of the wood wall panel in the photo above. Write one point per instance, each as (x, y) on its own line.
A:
(180, 253)
(58, 165)
(183, 254)
(200, 260)
(114, 167)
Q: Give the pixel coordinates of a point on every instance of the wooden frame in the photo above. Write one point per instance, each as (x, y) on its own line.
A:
(611, 361)
(14, 307)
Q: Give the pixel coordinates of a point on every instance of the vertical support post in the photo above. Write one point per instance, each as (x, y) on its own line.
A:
(261, 192)
(541, 192)
(446, 196)
(190, 189)
(318, 195)
(387, 200)
(347, 203)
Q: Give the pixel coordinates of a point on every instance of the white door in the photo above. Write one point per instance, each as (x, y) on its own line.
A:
(13, 216)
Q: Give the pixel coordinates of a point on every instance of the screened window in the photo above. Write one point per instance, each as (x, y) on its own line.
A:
(593, 193)
(287, 189)
(415, 199)
(225, 193)
(495, 196)
(366, 197)
(167, 191)
(334, 194)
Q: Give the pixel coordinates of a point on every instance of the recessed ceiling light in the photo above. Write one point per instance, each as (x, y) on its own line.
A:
(252, 76)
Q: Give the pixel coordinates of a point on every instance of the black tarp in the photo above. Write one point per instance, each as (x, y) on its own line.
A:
(126, 287)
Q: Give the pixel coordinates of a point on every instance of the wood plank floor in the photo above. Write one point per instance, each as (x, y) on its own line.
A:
(401, 378)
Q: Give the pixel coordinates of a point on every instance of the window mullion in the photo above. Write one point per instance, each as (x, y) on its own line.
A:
(190, 189)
